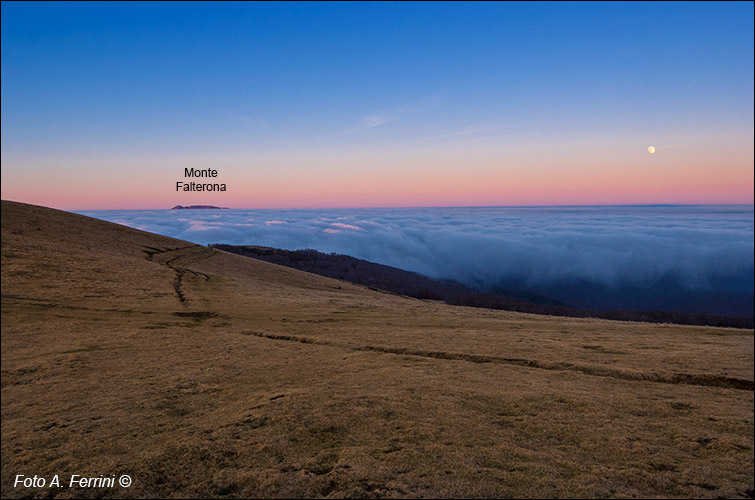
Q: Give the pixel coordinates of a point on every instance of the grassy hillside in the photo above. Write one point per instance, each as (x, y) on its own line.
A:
(199, 372)
(394, 280)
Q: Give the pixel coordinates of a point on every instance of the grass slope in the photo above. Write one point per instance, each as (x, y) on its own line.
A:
(202, 373)
(394, 280)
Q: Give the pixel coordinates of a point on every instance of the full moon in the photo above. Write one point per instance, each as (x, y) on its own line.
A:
(651, 149)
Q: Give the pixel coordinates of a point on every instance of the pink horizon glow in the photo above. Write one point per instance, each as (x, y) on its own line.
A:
(609, 175)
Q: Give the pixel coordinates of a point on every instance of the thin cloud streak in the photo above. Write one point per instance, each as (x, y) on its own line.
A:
(382, 117)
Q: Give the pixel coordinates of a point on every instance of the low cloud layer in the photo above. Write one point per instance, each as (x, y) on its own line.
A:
(706, 249)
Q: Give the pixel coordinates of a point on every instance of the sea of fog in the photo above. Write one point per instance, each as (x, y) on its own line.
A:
(696, 259)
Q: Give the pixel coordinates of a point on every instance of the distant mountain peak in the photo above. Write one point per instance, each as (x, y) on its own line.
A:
(194, 207)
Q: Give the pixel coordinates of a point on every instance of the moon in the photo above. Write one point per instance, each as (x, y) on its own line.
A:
(651, 149)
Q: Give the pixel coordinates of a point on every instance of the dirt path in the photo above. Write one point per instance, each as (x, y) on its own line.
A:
(177, 259)
(704, 380)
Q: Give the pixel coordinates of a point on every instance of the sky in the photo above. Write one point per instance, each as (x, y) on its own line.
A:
(316, 105)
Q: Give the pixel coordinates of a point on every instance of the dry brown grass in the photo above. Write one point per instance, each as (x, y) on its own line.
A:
(199, 372)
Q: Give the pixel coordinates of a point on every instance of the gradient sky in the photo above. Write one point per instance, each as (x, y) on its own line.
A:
(377, 104)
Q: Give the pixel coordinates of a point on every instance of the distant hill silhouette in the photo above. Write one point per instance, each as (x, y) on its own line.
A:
(194, 207)
(394, 280)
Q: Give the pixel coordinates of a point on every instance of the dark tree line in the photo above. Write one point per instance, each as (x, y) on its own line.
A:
(393, 280)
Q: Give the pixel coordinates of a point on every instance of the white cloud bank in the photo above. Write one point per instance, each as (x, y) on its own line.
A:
(697, 248)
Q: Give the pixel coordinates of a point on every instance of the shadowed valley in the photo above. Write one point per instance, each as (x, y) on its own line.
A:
(394, 280)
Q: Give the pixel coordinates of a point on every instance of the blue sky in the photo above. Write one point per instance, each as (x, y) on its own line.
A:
(104, 92)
